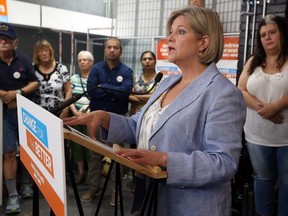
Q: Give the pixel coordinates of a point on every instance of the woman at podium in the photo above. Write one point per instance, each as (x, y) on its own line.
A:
(191, 126)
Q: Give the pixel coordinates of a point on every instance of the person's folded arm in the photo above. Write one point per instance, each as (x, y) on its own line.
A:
(251, 101)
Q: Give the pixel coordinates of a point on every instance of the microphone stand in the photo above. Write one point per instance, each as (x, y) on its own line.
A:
(118, 90)
(57, 110)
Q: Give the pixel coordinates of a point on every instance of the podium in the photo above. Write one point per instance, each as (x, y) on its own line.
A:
(154, 173)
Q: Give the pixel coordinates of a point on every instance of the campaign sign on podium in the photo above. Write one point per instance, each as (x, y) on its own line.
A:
(42, 151)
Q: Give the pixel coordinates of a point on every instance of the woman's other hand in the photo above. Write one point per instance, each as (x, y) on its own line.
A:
(144, 157)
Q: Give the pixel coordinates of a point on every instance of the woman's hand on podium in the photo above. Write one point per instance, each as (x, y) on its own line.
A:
(144, 157)
(93, 120)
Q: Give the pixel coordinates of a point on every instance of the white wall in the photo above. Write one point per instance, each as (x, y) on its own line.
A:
(48, 17)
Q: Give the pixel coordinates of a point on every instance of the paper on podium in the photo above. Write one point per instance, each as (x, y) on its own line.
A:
(105, 150)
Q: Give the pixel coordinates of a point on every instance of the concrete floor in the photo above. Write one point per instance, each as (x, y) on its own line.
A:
(89, 208)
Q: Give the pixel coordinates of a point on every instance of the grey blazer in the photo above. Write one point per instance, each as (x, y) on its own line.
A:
(201, 130)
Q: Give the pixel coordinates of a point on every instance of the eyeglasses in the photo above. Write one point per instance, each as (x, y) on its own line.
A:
(83, 59)
(43, 51)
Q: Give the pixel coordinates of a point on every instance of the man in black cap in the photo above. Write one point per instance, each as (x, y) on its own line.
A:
(17, 76)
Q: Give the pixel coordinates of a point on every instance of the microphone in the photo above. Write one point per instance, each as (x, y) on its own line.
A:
(58, 109)
(157, 79)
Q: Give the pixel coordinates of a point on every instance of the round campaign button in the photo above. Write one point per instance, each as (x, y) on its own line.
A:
(16, 75)
(119, 79)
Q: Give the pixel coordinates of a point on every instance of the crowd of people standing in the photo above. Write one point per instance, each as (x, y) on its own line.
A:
(200, 159)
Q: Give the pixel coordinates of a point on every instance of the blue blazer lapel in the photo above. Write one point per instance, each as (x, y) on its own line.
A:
(188, 96)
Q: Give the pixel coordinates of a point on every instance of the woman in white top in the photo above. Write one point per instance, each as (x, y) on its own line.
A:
(264, 85)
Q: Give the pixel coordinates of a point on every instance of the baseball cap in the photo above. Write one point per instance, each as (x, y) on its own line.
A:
(7, 30)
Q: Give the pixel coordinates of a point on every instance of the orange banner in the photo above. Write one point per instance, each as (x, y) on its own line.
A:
(162, 50)
(43, 184)
(231, 45)
(3, 8)
(40, 152)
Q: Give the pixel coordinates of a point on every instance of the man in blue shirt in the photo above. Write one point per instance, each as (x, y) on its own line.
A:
(113, 74)
(16, 77)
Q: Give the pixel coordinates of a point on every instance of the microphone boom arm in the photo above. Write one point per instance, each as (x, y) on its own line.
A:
(57, 110)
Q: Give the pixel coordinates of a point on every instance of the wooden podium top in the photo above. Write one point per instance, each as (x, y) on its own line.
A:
(105, 150)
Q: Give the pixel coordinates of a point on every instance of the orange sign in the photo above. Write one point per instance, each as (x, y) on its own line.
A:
(40, 152)
(162, 50)
(3, 8)
(231, 45)
(42, 182)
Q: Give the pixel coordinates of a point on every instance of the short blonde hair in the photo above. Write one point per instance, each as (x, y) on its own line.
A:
(203, 21)
(40, 45)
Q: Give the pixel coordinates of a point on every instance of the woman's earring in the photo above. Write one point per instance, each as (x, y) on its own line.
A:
(200, 54)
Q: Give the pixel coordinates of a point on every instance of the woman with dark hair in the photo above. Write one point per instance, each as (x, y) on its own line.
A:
(144, 81)
(264, 85)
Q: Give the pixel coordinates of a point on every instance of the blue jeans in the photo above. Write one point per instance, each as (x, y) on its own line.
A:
(270, 166)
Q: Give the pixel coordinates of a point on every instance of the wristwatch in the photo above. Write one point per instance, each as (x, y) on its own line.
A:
(19, 91)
